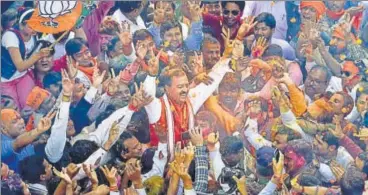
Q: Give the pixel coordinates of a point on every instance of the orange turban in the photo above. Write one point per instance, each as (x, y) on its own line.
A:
(349, 66)
(319, 6)
(36, 97)
(8, 115)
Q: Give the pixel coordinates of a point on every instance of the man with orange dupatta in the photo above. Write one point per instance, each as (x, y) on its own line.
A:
(173, 114)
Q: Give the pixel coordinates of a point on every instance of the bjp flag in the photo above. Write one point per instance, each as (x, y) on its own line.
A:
(55, 16)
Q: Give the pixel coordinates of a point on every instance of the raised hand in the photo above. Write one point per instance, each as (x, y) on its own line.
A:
(141, 50)
(181, 170)
(159, 13)
(285, 79)
(134, 171)
(189, 154)
(72, 67)
(247, 25)
(45, 122)
(62, 175)
(278, 166)
(97, 77)
(67, 83)
(179, 155)
(337, 132)
(228, 43)
(260, 47)
(241, 184)
(258, 63)
(124, 35)
(110, 175)
(203, 78)
(91, 174)
(307, 51)
(72, 170)
(196, 136)
(195, 11)
(238, 49)
(337, 170)
(140, 98)
(111, 86)
(153, 63)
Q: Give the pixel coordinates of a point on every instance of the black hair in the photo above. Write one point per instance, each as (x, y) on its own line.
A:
(147, 160)
(166, 26)
(26, 17)
(241, 4)
(210, 39)
(273, 50)
(352, 182)
(53, 184)
(363, 89)
(7, 16)
(364, 157)
(231, 145)
(325, 70)
(291, 134)
(74, 46)
(140, 124)
(330, 140)
(141, 35)
(43, 44)
(173, 6)
(119, 148)
(31, 168)
(128, 6)
(309, 180)
(51, 78)
(112, 43)
(266, 18)
(81, 150)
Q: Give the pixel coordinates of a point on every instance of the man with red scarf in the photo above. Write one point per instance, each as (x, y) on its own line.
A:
(230, 19)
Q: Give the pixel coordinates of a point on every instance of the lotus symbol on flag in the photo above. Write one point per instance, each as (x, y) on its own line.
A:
(53, 16)
(53, 9)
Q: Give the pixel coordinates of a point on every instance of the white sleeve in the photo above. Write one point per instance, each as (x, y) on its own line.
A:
(326, 173)
(90, 96)
(289, 120)
(10, 39)
(55, 144)
(141, 191)
(98, 107)
(269, 189)
(158, 164)
(153, 109)
(253, 137)
(190, 192)
(95, 159)
(199, 94)
(101, 135)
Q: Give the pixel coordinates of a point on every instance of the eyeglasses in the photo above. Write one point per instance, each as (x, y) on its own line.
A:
(233, 12)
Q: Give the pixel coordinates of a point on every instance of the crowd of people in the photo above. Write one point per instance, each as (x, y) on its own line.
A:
(187, 97)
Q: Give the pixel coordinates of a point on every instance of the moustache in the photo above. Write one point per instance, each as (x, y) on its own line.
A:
(183, 93)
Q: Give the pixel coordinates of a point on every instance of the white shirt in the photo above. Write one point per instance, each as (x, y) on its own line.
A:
(119, 17)
(277, 9)
(59, 47)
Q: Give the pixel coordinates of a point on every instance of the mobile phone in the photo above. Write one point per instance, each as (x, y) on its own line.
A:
(185, 136)
(277, 155)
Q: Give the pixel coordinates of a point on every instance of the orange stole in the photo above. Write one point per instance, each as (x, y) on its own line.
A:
(181, 121)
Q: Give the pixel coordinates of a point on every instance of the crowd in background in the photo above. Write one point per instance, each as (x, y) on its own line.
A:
(187, 97)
